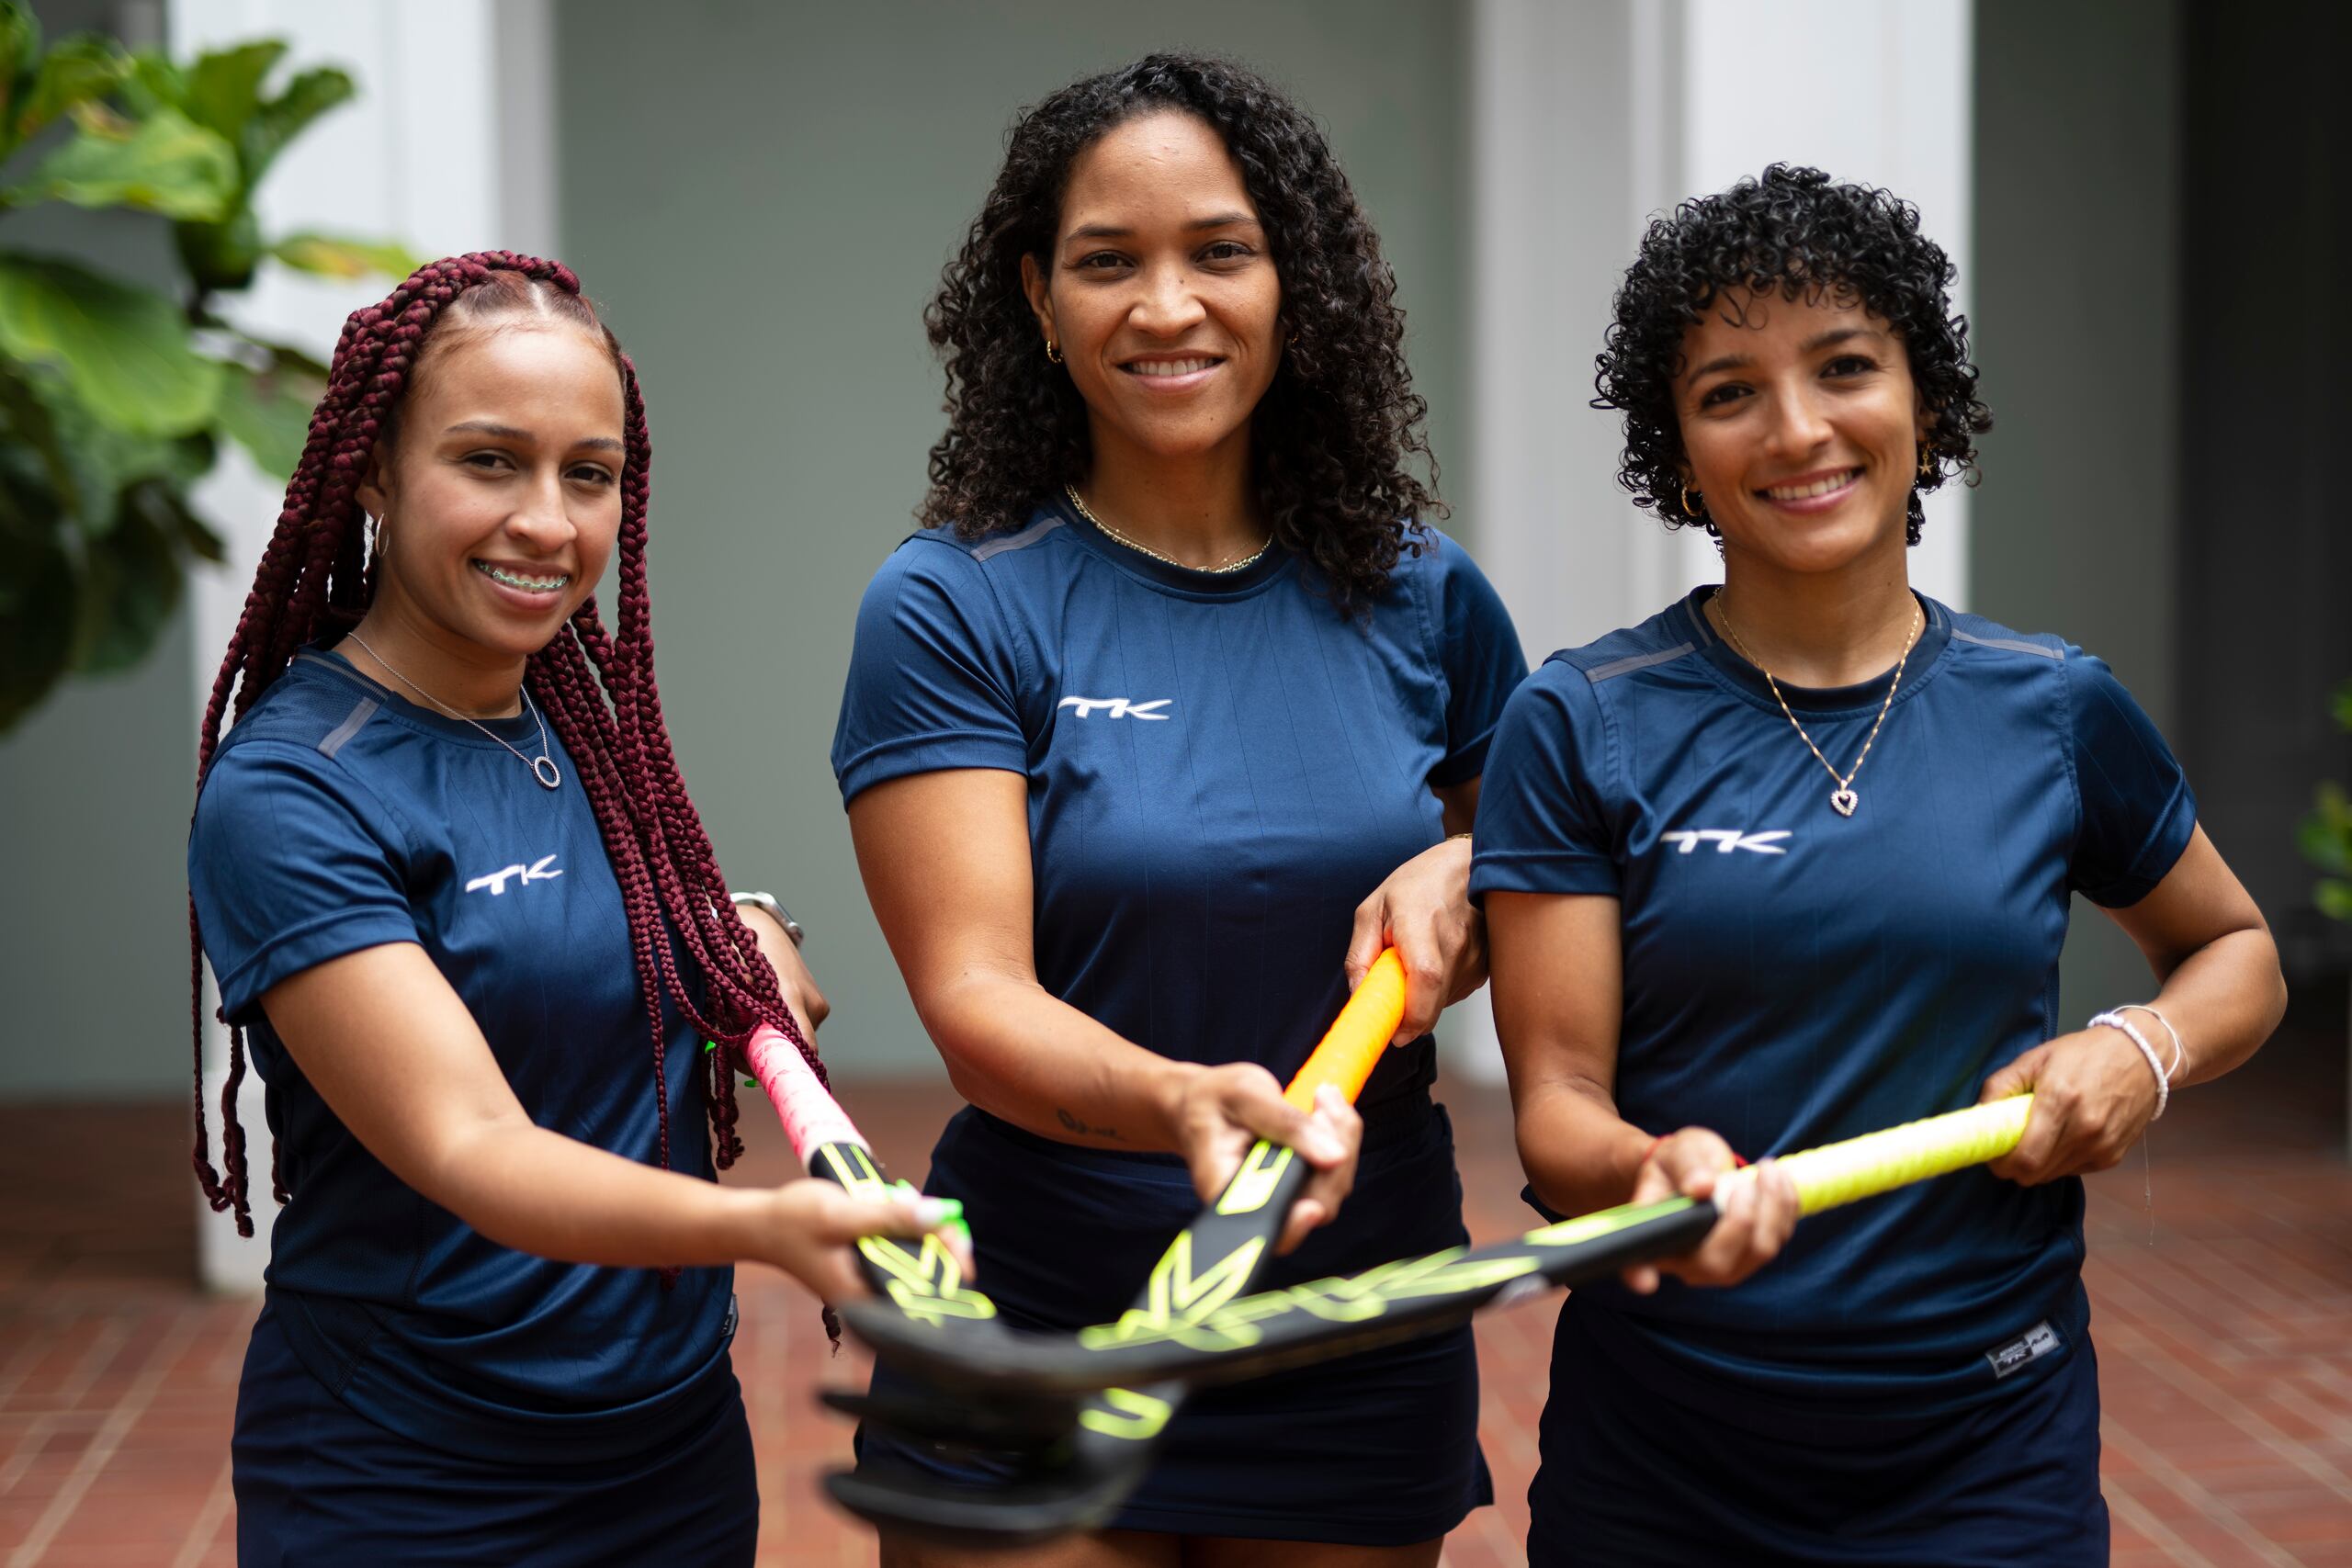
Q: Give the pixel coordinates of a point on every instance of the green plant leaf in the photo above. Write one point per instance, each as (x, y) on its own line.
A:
(2335, 899)
(106, 461)
(280, 120)
(220, 255)
(2324, 845)
(125, 351)
(19, 46)
(129, 584)
(36, 621)
(268, 413)
(2325, 836)
(154, 83)
(339, 256)
(197, 539)
(74, 71)
(165, 163)
(2341, 705)
(224, 88)
(27, 426)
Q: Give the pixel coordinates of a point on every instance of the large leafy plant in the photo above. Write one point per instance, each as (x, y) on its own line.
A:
(116, 398)
(2326, 834)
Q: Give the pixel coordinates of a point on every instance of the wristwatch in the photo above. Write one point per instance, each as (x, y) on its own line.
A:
(783, 916)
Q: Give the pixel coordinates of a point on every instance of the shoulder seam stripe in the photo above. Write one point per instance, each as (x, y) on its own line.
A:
(2012, 645)
(1029, 535)
(1626, 666)
(348, 728)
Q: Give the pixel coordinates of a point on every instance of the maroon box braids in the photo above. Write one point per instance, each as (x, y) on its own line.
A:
(596, 688)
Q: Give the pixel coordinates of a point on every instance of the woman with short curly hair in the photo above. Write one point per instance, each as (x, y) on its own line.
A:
(1791, 861)
(1151, 742)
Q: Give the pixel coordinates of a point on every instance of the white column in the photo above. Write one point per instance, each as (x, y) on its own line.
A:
(447, 148)
(1873, 93)
(1590, 119)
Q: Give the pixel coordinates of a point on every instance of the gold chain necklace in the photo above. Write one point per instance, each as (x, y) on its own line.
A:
(1220, 568)
(1842, 799)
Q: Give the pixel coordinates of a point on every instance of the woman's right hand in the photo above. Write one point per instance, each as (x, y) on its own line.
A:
(1759, 1204)
(812, 1225)
(1218, 1113)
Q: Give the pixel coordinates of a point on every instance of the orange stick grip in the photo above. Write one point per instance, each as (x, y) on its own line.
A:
(1357, 1037)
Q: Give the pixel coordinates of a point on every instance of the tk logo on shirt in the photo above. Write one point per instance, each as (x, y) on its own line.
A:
(1120, 708)
(1726, 840)
(535, 872)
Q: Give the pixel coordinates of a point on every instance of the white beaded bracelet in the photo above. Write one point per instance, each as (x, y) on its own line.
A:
(2116, 1020)
(2179, 1054)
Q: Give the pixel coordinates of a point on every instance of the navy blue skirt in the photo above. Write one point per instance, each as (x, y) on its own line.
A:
(1632, 1478)
(317, 1482)
(1379, 1450)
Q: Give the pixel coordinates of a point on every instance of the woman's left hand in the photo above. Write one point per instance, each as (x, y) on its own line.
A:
(1423, 910)
(2093, 1098)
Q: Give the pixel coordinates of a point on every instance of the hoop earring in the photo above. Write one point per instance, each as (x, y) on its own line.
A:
(1692, 513)
(380, 545)
(1053, 352)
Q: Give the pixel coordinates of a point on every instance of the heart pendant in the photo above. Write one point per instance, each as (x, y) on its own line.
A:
(1844, 801)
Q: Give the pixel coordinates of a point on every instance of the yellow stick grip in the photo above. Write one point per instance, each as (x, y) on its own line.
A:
(1881, 1162)
(1352, 1047)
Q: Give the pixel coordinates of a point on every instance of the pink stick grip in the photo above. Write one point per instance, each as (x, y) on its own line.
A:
(812, 1118)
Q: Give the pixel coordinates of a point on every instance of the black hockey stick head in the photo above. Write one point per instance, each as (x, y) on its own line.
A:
(1004, 1422)
(1246, 1337)
(1044, 1489)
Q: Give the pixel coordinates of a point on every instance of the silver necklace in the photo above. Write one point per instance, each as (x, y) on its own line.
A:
(1218, 570)
(1842, 799)
(542, 766)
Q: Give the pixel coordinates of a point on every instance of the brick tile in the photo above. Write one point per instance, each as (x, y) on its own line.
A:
(2226, 1347)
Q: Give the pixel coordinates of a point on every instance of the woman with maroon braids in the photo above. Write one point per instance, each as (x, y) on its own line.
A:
(465, 917)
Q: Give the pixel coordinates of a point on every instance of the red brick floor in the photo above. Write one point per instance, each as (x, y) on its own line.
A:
(2225, 1326)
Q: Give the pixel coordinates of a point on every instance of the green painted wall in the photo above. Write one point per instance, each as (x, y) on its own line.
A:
(760, 197)
(2076, 280)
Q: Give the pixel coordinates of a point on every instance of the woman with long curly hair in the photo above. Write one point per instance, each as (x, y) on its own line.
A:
(1151, 740)
(1791, 861)
(461, 907)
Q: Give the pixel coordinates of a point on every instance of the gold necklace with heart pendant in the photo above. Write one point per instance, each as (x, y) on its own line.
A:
(1842, 800)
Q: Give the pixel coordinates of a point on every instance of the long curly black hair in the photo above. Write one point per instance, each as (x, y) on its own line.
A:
(1331, 438)
(1795, 233)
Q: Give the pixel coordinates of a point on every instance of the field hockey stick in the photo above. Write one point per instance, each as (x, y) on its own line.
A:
(921, 1282)
(1249, 1335)
(1078, 1483)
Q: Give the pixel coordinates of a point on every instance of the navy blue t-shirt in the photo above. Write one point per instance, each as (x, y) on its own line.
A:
(338, 816)
(1220, 767)
(1793, 977)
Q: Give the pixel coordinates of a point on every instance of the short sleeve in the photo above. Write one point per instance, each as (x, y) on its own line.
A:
(2138, 812)
(1483, 660)
(1542, 821)
(292, 863)
(933, 680)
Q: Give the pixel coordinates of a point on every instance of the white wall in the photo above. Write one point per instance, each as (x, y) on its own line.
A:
(448, 149)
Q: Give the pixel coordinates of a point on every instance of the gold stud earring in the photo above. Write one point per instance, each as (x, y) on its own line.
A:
(1053, 350)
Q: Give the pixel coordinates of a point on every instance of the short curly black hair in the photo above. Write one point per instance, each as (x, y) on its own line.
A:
(1331, 438)
(1794, 232)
